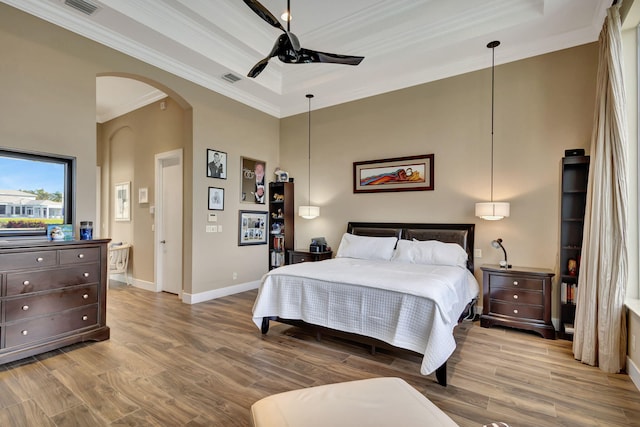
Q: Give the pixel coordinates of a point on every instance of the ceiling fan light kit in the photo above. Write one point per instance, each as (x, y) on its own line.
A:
(287, 46)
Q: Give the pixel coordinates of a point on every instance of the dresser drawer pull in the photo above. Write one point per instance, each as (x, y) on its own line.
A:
(515, 311)
(80, 256)
(85, 274)
(26, 283)
(85, 317)
(25, 332)
(25, 307)
(39, 259)
(515, 297)
(515, 283)
(301, 259)
(85, 296)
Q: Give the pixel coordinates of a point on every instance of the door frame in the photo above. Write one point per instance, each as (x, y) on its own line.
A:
(158, 206)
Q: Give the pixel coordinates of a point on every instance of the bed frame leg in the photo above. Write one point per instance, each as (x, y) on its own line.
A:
(265, 325)
(441, 374)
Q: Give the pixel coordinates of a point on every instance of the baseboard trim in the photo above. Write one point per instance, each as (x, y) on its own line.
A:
(634, 372)
(219, 293)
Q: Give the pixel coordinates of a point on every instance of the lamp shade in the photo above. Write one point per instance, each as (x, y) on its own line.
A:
(309, 212)
(492, 210)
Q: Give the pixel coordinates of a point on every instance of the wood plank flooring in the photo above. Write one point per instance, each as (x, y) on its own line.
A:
(173, 364)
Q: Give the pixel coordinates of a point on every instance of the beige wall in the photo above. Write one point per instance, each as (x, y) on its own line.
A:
(47, 80)
(544, 105)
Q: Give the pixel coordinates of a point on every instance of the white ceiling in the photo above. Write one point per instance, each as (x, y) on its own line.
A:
(404, 42)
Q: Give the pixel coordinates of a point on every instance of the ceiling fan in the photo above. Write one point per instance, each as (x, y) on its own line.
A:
(287, 47)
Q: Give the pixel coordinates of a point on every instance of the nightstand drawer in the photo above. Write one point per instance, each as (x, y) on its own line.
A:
(513, 281)
(517, 296)
(520, 311)
(299, 256)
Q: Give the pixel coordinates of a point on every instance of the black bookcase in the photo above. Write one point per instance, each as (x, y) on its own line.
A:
(575, 174)
(281, 222)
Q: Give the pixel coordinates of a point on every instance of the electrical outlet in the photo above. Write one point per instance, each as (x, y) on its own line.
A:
(235, 275)
(477, 253)
(211, 228)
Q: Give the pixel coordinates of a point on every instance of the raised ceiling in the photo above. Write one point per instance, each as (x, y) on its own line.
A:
(404, 42)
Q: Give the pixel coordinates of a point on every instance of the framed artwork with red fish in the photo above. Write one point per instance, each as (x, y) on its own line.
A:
(413, 173)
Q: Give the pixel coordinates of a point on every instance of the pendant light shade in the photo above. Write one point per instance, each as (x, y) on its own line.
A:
(309, 212)
(492, 210)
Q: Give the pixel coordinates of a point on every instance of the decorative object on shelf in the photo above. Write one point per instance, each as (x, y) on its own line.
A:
(252, 228)
(309, 211)
(216, 164)
(413, 173)
(123, 201)
(86, 230)
(492, 210)
(216, 199)
(281, 176)
(572, 266)
(253, 188)
(498, 245)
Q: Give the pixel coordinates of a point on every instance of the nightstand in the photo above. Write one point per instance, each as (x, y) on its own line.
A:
(297, 256)
(518, 297)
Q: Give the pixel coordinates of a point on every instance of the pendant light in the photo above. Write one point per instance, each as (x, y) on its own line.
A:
(309, 212)
(492, 210)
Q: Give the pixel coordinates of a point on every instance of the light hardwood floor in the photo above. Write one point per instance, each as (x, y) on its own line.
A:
(173, 364)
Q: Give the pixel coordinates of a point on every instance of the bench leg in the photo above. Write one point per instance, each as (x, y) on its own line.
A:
(265, 325)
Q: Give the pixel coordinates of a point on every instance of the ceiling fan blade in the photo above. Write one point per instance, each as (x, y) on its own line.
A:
(278, 46)
(324, 57)
(257, 69)
(264, 13)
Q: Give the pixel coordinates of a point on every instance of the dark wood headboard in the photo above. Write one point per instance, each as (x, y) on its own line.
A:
(461, 234)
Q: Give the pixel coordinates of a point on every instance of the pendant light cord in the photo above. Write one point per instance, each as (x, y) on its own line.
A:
(309, 96)
(492, 45)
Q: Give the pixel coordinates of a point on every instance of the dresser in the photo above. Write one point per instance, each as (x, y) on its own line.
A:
(298, 256)
(53, 294)
(518, 297)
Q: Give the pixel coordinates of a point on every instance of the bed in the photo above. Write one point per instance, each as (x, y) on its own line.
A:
(403, 284)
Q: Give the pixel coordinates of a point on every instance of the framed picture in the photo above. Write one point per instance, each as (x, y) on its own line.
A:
(252, 228)
(123, 201)
(143, 195)
(413, 173)
(216, 199)
(252, 181)
(216, 164)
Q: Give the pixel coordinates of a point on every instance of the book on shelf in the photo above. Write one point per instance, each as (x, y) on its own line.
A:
(277, 258)
(568, 293)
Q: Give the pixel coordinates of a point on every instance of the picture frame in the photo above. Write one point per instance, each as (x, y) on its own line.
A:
(216, 199)
(252, 228)
(252, 181)
(216, 164)
(143, 195)
(122, 205)
(412, 173)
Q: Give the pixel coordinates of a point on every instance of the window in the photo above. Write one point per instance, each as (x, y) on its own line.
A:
(35, 190)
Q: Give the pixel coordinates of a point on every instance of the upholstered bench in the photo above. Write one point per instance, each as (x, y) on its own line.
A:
(372, 402)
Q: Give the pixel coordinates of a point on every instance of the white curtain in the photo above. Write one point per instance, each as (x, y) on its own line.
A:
(600, 324)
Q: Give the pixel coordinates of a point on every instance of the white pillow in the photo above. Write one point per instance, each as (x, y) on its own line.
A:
(365, 247)
(430, 252)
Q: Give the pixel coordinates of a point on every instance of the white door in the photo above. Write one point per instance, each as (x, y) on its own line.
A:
(168, 221)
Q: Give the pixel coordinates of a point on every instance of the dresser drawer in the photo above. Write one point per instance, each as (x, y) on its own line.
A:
(517, 296)
(27, 282)
(45, 327)
(35, 259)
(36, 305)
(74, 256)
(498, 281)
(521, 311)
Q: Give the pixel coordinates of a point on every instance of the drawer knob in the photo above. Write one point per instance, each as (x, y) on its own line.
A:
(39, 259)
(301, 259)
(85, 317)
(26, 283)
(515, 283)
(25, 307)
(85, 296)
(515, 311)
(515, 297)
(25, 332)
(85, 274)
(80, 256)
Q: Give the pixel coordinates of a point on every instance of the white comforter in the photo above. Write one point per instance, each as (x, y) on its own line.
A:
(410, 306)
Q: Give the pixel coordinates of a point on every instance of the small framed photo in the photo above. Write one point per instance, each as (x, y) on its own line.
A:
(216, 199)
(216, 164)
(122, 201)
(253, 189)
(143, 195)
(252, 228)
